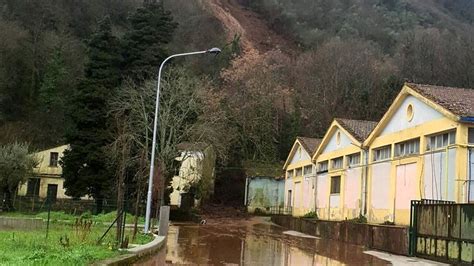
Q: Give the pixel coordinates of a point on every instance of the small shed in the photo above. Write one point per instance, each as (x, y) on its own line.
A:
(264, 194)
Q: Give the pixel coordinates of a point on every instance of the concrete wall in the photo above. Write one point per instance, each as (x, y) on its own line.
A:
(440, 174)
(265, 192)
(9, 223)
(322, 198)
(379, 193)
(393, 239)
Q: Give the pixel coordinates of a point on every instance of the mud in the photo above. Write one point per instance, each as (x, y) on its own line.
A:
(253, 242)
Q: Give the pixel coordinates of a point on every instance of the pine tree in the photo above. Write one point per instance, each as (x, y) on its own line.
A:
(151, 28)
(84, 166)
(52, 96)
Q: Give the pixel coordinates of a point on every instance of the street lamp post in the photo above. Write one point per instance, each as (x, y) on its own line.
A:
(155, 127)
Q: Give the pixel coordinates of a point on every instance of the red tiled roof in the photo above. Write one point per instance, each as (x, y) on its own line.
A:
(459, 101)
(359, 129)
(309, 144)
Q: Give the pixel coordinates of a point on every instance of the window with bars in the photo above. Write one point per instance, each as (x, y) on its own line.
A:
(407, 148)
(337, 163)
(441, 141)
(353, 159)
(308, 170)
(382, 153)
(323, 167)
(299, 172)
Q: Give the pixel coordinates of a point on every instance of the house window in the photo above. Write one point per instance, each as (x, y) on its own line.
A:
(353, 159)
(299, 172)
(323, 167)
(383, 153)
(53, 159)
(337, 163)
(289, 174)
(441, 140)
(407, 148)
(32, 187)
(308, 170)
(470, 138)
(335, 185)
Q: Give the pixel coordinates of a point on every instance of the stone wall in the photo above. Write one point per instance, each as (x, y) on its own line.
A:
(10, 223)
(393, 239)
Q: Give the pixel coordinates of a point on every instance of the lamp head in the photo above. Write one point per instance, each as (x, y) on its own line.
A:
(214, 51)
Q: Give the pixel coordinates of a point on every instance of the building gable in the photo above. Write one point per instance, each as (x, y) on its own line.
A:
(339, 139)
(336, 137)
(300, 155)
(408, 110)
(297, 154)
(410, 113)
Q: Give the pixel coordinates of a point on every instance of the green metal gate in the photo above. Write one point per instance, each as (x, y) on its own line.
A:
(442, 230)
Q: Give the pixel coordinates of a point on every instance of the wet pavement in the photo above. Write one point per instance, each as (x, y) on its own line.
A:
(253, 242)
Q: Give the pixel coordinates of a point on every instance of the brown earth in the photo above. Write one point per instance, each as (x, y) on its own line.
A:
(219, 214)
(255, 33)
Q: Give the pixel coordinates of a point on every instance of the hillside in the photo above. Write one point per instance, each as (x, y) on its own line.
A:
(381, 21)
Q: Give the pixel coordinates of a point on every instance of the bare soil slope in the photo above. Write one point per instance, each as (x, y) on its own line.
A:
(255, 33)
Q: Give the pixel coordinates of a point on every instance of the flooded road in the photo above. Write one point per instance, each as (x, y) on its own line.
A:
(253, 242)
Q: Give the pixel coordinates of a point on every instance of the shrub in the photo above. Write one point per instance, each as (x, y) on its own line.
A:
(359, 220)
(311, 214)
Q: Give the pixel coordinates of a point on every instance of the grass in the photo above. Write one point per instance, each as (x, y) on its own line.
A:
(80, 248)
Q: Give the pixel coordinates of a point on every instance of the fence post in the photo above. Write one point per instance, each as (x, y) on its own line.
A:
(48, 201)
(413, 228)
(164, 220)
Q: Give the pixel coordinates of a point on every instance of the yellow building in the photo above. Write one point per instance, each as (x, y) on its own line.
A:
(197, 165)
(421, 149)
(300, 176)
(341, 170)
(46, 178)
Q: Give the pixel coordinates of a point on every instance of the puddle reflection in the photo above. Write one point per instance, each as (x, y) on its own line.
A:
(253, 244)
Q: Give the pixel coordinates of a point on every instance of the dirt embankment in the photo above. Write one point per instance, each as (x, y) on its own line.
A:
(255, 35)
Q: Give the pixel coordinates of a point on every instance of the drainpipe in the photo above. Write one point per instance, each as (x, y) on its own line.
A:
(364, 181)
(470, 177)
(246, 190)
(315, 184)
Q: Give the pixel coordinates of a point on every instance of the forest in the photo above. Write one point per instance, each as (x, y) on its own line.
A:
(82, 72)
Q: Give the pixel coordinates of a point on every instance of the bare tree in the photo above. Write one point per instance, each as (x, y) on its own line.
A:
(186, 107)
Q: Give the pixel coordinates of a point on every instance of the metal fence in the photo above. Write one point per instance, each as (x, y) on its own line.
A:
(442, 230)
(33, 204)
(74, 221)
(279, 210)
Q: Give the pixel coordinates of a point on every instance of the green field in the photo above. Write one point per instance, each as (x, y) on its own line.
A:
(68, 242)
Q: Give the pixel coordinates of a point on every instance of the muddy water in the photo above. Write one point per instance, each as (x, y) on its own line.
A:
(254, 242)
